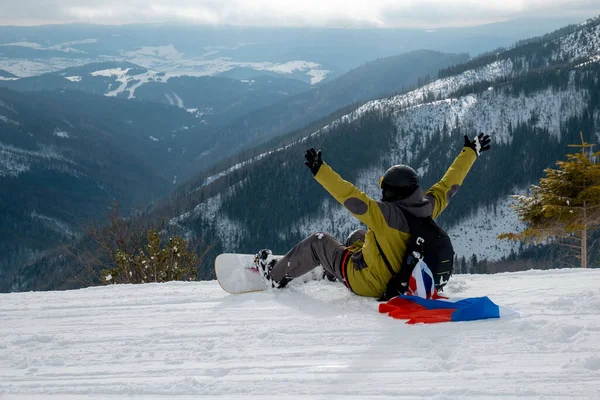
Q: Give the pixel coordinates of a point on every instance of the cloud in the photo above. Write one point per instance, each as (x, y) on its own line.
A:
(375, 13)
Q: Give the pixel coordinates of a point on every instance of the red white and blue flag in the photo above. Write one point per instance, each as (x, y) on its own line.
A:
(421, 282)
(417, 310)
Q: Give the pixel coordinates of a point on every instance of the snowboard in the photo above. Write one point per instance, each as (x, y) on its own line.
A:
(236, 273)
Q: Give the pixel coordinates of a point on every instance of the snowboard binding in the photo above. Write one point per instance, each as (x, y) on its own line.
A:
(265, 262)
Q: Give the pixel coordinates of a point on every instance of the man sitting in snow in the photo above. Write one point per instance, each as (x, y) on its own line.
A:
(370, 259)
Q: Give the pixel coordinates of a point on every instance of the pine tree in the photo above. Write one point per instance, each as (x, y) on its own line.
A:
(565, 207)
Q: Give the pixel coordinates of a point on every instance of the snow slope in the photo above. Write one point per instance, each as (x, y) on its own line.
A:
(194, 341)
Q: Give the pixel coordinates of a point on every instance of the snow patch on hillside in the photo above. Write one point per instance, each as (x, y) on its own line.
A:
(137, 82)
(15, 161)
(169, 53)
(7, 120)
(76, 42)
(170, 99)
(11, 163)
(478, 233)
(61, 134)
(491, 112)
(592, 60)
(29, 45)
(175, 63)
(162, 58)
(441, 87)
(73, 78)
(127, 82)
(8, 107)
(65, 47)
(292, 66)
(228, 230)
(120, 75)
(579, 45)
(317, 75)
(174, 100)
(213, 178)
(32, 67)
(178, 100)
(311, 68)
(54, 224)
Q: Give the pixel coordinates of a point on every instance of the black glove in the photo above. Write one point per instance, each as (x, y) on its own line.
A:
(395, 287)
(313, 160)
(480, 143)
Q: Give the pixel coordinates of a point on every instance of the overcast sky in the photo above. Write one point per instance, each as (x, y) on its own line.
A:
(334, 13)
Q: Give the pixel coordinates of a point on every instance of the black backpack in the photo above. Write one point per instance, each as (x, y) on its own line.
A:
(429, 242)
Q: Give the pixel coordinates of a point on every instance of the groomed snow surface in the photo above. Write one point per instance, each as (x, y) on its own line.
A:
(310, 341)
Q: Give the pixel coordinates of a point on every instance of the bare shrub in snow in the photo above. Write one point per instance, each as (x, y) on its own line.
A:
(154, 262)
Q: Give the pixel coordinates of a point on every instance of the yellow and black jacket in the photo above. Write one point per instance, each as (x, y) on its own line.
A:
(367, 274)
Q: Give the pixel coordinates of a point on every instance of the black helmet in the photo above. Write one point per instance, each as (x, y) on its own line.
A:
(399, 182)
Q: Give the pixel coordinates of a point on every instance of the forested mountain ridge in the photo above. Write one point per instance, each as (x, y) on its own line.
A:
(65, 157)
(534, 99)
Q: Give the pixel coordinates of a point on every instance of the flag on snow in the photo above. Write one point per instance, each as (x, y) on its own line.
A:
(428, 311)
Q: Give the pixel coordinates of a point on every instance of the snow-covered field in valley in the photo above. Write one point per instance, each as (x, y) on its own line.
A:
(316, 340)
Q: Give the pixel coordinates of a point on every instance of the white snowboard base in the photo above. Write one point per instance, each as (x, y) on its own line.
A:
(236, 273)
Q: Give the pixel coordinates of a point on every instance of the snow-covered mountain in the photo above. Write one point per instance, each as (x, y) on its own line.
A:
(213, 100)
(308, 341)
(308, 54)
(36, 55)
(533, 98)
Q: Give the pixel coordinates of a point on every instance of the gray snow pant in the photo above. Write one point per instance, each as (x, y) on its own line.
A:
(317, 249)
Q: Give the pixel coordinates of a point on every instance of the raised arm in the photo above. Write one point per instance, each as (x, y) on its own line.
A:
(446, 188)
(357, 202)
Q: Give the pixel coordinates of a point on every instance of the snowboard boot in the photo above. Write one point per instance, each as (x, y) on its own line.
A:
(330, 277)
(265, 262)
